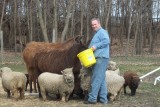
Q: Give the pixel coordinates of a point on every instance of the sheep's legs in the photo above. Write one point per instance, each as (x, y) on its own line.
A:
(119, 93)
(21, 93)
(133, 91)
(15, 93)
(112, 98)
(125, 89)
(8, 93)
(44, 96)
(67, 97)
(43, 93)
(63, 97)
(85, 92)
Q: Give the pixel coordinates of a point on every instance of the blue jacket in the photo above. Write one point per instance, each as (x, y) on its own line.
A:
(101, 42)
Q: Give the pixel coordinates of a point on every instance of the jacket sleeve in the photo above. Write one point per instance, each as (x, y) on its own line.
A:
(103, 40)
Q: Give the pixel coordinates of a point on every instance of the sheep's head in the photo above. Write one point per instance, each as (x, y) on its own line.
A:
(135, 80)
(112, 65)
(68, 76)
(4, 69)
(84, 72)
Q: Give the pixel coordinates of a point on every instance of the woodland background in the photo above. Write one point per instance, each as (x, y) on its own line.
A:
(133, 25)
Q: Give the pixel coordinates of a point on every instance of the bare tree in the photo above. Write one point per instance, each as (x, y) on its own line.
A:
(73, 19)
(1, 32)
(108, 11)
(82, 9)
(42, 24)
(55, 34)
(67, 20)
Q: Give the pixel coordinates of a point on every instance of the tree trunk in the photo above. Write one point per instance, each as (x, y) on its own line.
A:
(81, 33)
(64, 32)
(55, 33)
(1, 32)
(73, 20)
(15, 24)
(42, 24)
(108, 3)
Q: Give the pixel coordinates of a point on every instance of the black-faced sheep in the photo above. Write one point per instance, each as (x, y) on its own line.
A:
(113, 80)
(132, 80)
(56, 84)
(13, 82)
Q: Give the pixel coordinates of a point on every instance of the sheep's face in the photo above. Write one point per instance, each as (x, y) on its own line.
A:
(84, 72)
(135, 82)
(112, 65)
(4, 69)
(68, 76)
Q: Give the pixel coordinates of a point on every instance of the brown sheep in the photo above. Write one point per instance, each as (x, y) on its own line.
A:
(132, 80)
(48, 57)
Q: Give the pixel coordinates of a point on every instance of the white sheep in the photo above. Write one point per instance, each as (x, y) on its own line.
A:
(57, 84)
(113, 67)
(13, 82)
(114, 83)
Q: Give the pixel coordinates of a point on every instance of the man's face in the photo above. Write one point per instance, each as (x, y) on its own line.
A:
(95, 25)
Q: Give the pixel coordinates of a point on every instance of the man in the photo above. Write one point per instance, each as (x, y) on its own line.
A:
(100, 45)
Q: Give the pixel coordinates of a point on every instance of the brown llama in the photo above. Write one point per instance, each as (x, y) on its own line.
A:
(53, 57)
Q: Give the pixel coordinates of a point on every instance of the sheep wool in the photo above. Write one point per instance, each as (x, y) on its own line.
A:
(113, 80)
(57, 84)
(132, 80)
(13, 82)
(114, 84)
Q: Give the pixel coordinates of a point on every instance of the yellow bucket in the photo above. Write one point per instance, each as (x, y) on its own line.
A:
(87, 57)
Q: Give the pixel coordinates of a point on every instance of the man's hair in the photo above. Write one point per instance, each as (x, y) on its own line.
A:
(95, 19)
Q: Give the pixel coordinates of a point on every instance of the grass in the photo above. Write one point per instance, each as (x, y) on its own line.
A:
(147, 94)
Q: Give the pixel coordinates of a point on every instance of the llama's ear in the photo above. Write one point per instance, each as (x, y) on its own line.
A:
(79, 38)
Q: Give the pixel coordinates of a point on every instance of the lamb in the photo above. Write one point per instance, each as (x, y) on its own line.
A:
(114, 83)
(132, 80)
(113, 67)
(56, 84)
(13, 82)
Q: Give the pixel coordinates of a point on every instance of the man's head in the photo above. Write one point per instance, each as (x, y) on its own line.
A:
(95, 24)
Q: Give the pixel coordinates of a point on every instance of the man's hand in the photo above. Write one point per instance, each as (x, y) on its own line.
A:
(93, 48)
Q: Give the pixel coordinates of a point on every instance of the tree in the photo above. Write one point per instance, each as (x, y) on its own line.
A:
(64, 32)
(42, 24)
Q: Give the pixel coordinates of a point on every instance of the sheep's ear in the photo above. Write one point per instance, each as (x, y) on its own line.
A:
(62, 71)
(117, 66)
(80, 75)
